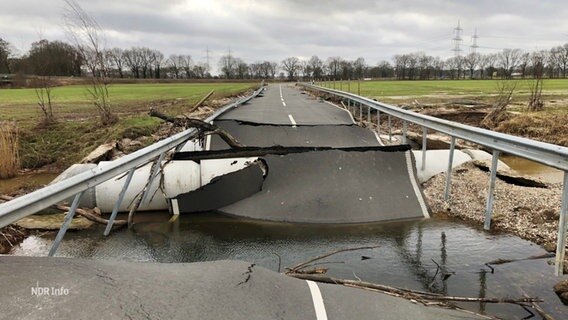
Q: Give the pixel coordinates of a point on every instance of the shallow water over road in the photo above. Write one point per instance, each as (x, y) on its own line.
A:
(407, 255)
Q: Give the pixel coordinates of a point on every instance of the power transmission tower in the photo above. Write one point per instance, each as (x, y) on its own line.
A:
(457, 40)
(207, 57)
(474, 45)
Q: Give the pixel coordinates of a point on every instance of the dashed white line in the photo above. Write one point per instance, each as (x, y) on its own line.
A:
(281, 97)
(292, 120)
(321, 314)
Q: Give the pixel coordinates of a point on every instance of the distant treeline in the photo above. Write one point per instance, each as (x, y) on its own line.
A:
(57, 58)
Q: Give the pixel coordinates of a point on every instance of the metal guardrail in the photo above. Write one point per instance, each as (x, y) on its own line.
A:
(541, 152)
(31, 203)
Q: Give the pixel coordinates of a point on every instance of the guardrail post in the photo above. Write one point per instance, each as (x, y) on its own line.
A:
(404, 131)
(152, 176)
(424, 146)
(65, 225)
(379, 122)
(118, 202)
(449, 172)
(369, 115)
(360, 111)
(489, 208)
(562, 225)
(390, 129)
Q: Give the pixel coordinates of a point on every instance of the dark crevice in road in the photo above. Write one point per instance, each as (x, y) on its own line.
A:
(277, 150)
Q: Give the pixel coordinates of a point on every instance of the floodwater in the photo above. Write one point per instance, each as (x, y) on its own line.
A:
(535, 169)
(28, 180)
(407, 256)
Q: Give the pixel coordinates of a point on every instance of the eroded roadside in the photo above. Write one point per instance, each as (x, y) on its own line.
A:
(30, 180)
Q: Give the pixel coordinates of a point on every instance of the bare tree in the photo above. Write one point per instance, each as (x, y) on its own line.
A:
(535, 84)
(359, 67)
(89, 40)
(509, 60)
(43, 83)
(186, 63)
(227, 65)
(5, 53)
(116, 56)
(505, 91)
(483, 62)
(333, 65)
(472, 61)
(174, 64)
(291, 65)
(316, 67)
(157, 61)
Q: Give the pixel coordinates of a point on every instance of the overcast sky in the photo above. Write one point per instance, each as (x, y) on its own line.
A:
(275, 29)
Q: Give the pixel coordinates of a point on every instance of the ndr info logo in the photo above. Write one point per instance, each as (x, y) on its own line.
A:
(49, 291)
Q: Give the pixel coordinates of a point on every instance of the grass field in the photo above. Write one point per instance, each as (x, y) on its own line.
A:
(21, 104)
(78, 131)
(438, 89)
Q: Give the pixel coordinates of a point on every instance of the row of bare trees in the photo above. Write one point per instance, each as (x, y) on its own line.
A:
(58, 58)
(507, 64)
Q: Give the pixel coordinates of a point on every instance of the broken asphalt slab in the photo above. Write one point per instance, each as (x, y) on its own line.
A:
(91, 289)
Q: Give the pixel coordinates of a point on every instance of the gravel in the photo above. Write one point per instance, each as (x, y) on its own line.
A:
(528, 212)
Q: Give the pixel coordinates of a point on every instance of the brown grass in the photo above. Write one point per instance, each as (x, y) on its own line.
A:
(9, 144)
(540, 126)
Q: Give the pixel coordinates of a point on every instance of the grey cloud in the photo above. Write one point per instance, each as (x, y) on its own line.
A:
(274, 29)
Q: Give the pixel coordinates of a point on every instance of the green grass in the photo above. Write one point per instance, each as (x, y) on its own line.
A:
(121, 93)
(416, 89)
(78, 131)
(21, 104)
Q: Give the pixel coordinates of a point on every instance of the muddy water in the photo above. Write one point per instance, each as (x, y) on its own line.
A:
(407, 255)
(28, 180)
(534, 169)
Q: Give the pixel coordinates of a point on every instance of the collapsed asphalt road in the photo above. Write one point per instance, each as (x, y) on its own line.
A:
(61, 288)
(366, 184)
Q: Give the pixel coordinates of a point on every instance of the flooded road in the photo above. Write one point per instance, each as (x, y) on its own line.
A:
(407, 257)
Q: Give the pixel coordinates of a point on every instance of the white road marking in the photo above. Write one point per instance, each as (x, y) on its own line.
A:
(292, 120)
(321, 314)
(281, 97)
(410, 167)
(340, 108)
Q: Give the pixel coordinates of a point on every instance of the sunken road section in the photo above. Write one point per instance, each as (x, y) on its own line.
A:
(91, 289)
(347, 177)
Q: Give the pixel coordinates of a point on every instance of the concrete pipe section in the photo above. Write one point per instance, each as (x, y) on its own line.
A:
(63, 288)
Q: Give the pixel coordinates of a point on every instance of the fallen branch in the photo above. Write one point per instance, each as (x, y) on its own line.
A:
(202, 126)
(201, 101)
(409, 294)
(302, 265)
(503, 261)
(84, 212)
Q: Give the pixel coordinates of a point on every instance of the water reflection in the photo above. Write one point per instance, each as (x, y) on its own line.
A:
(408, 256)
